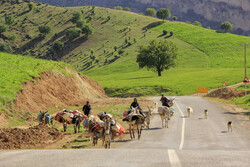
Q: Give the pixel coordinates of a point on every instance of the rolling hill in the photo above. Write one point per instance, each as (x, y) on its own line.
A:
(206, 57)
(209, 12)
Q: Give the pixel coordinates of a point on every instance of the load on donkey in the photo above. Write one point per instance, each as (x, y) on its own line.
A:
(45, 118)
(103, 127)
(70, 117)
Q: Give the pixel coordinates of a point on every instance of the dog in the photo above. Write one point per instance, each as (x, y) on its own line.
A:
(189, 110)
(230, 126)
(206, 113)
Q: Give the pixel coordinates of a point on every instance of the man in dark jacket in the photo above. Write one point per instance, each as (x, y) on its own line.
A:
(86, 108)
(164, 101)
(135, 104)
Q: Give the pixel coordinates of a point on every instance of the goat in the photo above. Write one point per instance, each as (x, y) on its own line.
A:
(189, 110)
(230, 125)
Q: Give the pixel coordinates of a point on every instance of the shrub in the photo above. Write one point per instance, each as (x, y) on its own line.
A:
(12, 37)
(196, 23)
(165, 32)
(174, 18)
(30, 5)
(163, 13)
(121, 51)
(44, 29)
(171, 33)
(5, 47)
(58, 45)
(226, 26)
(87, 29)
(76, 16)
(9, 20)
(3, 28)
(80, 23)
(127, 9)
(150, 12)
(73, 33)
(118, 8)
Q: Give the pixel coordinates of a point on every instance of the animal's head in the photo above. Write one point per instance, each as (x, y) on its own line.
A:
(150, 109)
(189, 108)
(171, 102)
(133, 110)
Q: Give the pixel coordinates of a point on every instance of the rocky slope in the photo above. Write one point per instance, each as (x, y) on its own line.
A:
(209, 12)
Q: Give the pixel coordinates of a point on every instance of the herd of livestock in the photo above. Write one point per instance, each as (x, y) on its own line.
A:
(104, 127)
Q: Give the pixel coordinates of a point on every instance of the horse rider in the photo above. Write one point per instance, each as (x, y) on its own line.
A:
(86, 108)
(135, 104)
(164, 101)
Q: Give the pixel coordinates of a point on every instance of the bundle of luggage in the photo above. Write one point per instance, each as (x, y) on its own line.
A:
(68, 115)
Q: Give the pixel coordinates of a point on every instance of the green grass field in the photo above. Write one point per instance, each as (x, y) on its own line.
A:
(16, 69)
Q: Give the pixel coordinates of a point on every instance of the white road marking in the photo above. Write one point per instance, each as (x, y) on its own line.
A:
(183, 127)
(174, 159)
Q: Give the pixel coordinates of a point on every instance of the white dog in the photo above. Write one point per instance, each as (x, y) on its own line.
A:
(206, 113)
(189, 110)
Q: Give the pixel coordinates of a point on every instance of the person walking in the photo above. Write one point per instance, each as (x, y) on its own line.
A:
(86, 108)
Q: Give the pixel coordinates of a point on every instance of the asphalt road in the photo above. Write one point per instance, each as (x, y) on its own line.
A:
(190, 142)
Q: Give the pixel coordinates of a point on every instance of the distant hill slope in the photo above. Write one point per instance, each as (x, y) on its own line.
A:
(210, 12)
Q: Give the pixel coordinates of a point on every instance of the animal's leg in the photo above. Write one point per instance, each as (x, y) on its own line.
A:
(64, 126)
(130, 131)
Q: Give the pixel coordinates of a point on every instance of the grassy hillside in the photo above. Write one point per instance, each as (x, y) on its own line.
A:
(16, 69)
(206, 58)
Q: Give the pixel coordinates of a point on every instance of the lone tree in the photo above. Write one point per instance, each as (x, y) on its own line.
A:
(3, 28)
(174, 18)
(44, 29)
(73, 33)
(226, 26)
(9, 20)
(157, 56)
(163, 14)
(150, 12)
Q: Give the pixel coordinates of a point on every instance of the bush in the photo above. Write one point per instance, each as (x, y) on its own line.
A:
(121, 52)
(127, 9)
(3, 28)
(171, 33)
(174, 18)
(118, 8)
(58, 45)
(150, 12)
(165, 32)
(9, 20)
(87, 29)
(73, 33)
(226, 26)
(30, 5)
(76, 16)
(196, 23)
(5, 47)
(44, 29)
(80, 23)
(12, 37)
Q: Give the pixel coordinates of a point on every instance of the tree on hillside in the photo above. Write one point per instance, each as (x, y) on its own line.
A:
(157, 56)
(127, 9)
(226, 26)
(196, 23)
(73, 33)
(80, 23)
(44, 29)
(76, 16)
(30, 5)
(87, 29)
(174, 18)
(3, 28)
(58, 45)
(163, 14)
(150, 12)
(9, 20)
(118, 8)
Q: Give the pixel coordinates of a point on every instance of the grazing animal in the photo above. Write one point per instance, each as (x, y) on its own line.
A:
(148, 115)
(189, 111)
(206, 113)
(230, 126)
(74, 118)
(135, 121)
(165, 115)
(45, 118)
